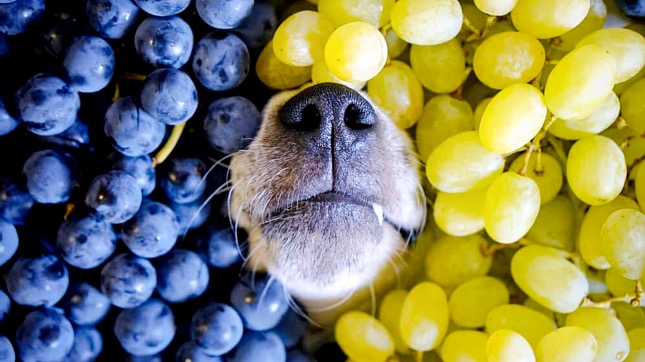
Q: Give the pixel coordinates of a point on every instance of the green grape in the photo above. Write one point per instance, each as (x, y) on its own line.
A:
(398, 92)
(530, 303)
(424, 317)
(321, 74)
(589, 241)
(596, 169)
(440, 68)
(567, 344)
(470, 303)
(341, 12)
(464, 346)
(532, 325)
(506, 345)
(632, 145)
(511, 206)
(395, 45)
(442, 117)
(637, 345)
(548, 18)
(631, 317)
(623, 242)
(594, 20)
(389, 314)
(476, 17)
(547, 277)
(495, 7)
(460, 214)
(599, 120)
(356, 52)
(479, 111)
(627, 47)
(580, 82)
(639, 185)
(363, 338)
(426, 22)
(508, 58)
(613, 343)
(278, 75)
(547, 175)
(620, 286)
(451, 260)
(461, 163)
(632, 106)
(300, 39)
(555, 225)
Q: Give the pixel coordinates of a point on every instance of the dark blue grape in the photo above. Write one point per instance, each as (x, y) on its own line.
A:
(259, 346)
(146, 329)
(216, 328)
(50, 176)
(112, 18)
(181, 275)
(221, 61)
(85, 305)
(231, 124)
(261, 302)
(85, 240)
(164, 42)
(39, 281)
(153, 230)
(163, 7)
(635, 8)
(47, 105)
(128, 281)
(258, 28)
(5, 45)
(15, 201)
(219, 247)
(16, 17)
(7, 122)
(223, 14)
(191, 215)
(8, 241)
(5, 306)
(150, 358)
(299, 356)
(133, 131)
(114, 196)
(183, 180)
(169, 95)
(87, 346)
(77, 135)
(89, 62)
(291, 329)
(45, 335)
(190, 352)
(7, 354)
(138, 167)
(57, 39)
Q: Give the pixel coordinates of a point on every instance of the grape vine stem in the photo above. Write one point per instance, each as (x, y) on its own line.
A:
(170, 144)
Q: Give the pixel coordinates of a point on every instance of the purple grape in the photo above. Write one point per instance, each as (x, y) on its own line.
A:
(85, 240)
(7, 121)
(7, 354)
(181, 275)
(133, 132)
(5, 306)
(114, 196)
(163, 7)
(153, 230)
(261, 302)
(18, 16)
(38, 281)
(50, 176)
(169, 95)
(221, 61)
(231, 124)
(8, 241)
(291, 329)
(88, 345)
(146, 329)
(138, 167)
(89, 62)
(45, 335)
(183, 180)
(191, 215)
(128, 281)
(190, 352)
(259, 346)
(223, 14)
(216, 328)
(15, 201)
(85, 305)
(219, 246)
(258, 28)
(634, 8)
(77, 135)
(164, 42)
(112, 19)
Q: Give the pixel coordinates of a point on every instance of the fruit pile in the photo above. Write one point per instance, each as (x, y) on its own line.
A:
(116, 244)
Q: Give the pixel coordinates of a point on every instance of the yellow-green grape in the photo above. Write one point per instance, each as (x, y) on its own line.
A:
(340, 12)
(547, 277)
(548, 18)
(568, 344)
(479, 111)
(632, 145)
(321, 74)
(580, 82)
(627, 47)
(278, 75)
(461, 163)
(356, 52)
(532, 325)
(619, 286)
(639, 186)
(632, 106)
(594, 20)
(631, 317)
(395, 45)
(613, 343)
(547, 174)
(508, 58)
(389, 314)
(555, 225)
(530, 303)
(424, 317)
(596, 169)
(495, 7)
(511, 206)
(476, 17)
(464, 346)
(589, 241)
(506, 345)
(398, 92)
(460, 214)
(599, 120)
(363, 338)
(452, 260)
(514, 116)
(623, 242)
(637, 345)
(300, 39)
(426, 22)
(440, 68)
(442, 117)
(470, 303)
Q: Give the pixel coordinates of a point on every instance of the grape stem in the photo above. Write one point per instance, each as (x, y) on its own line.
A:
(170, 144)
(491, 248)
(633, 299)
(535, 146)
(418, 356)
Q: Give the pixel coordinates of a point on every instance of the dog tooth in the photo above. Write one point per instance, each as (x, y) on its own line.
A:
(378, 210)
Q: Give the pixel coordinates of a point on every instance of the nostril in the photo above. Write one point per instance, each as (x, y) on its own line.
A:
(356, 119)
(310, 117)
(298, 117)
